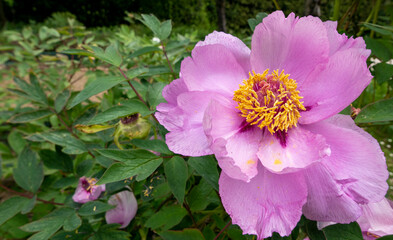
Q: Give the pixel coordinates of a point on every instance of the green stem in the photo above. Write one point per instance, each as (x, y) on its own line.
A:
(367, 20)
(336, 10)
(276, 5)
(377, 6)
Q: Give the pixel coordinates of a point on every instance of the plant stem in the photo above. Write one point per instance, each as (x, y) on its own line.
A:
(223, 229)
(136, 92)
(276, 5)
(377, 6)
(29, 196)
(167, 59)
(336, 10)
(69, 129)
(189, 213)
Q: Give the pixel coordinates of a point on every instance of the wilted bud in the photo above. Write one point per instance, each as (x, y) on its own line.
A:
(125, 210)
(132, 127)
(87, 190)
(92, 128)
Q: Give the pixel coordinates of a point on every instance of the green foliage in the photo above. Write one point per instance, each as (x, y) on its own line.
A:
(68, 92)
(177, 173)
(29, 172)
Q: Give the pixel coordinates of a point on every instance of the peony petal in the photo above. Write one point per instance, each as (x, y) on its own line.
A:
(340, 83)
(234, 146)
(188, 142)
(377, 218)
(302, 149)
(239, 50)
(340, 42)
(174, 89)
(268, 203)
(356, 162)
(291, 44)
(187, 136)
(125, 210)
(213, 68)
(168, 114)
(326, 201)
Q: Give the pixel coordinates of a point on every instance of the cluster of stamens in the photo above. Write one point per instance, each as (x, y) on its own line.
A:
(89, 183)
(270, 101)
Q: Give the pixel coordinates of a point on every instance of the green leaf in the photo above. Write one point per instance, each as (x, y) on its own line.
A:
(155, 145)
(11, 207)
(343, 232)
(253, 22)
(84, 167)
(144, 50)
(151, 22)
(128, 155)
(380, 111)
(56, 160)
(51, 223)
(312, 230)
(29, 173)
(157, 70)
(161, 30)
(176, 172)
(99, 85)
(387, 237)
(61, 100)
(201, 196)
(16, 141)
(110, 232)
(93, 208)
(71, 145)
(142, 168)
(166, 218)
(111, 55)
(128, 108)
(29, 205)
(30, 116)
(381, 48)
(79, 52)
(188, 233)
(134, 162)
(32, 90)
(154, 94)
(384, 30)
(165, 30)
(65, 182)
(383, 72)
(207, 167)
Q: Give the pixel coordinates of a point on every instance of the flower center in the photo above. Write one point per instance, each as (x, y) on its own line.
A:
(270, 101)
(88, 184)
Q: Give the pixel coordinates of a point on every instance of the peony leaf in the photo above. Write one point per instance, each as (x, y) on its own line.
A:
(176, 172)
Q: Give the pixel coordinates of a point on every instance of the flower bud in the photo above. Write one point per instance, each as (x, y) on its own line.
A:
(132, 126)
(125, 210)
(87, 190)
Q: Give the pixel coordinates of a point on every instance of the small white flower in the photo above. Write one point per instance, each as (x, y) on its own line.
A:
(155, 40)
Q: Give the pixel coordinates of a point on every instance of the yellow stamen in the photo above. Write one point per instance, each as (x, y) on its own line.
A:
(269, 101)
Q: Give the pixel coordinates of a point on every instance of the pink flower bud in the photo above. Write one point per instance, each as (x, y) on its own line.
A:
(87, 190)
(126, 207)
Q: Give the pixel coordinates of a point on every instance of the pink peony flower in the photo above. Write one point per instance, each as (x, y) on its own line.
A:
(126, 207)
(269, 116)
(377, 219)
(87, 190)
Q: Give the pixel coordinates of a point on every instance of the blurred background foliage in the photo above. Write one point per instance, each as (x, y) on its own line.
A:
(68, 70)
(200, 14)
